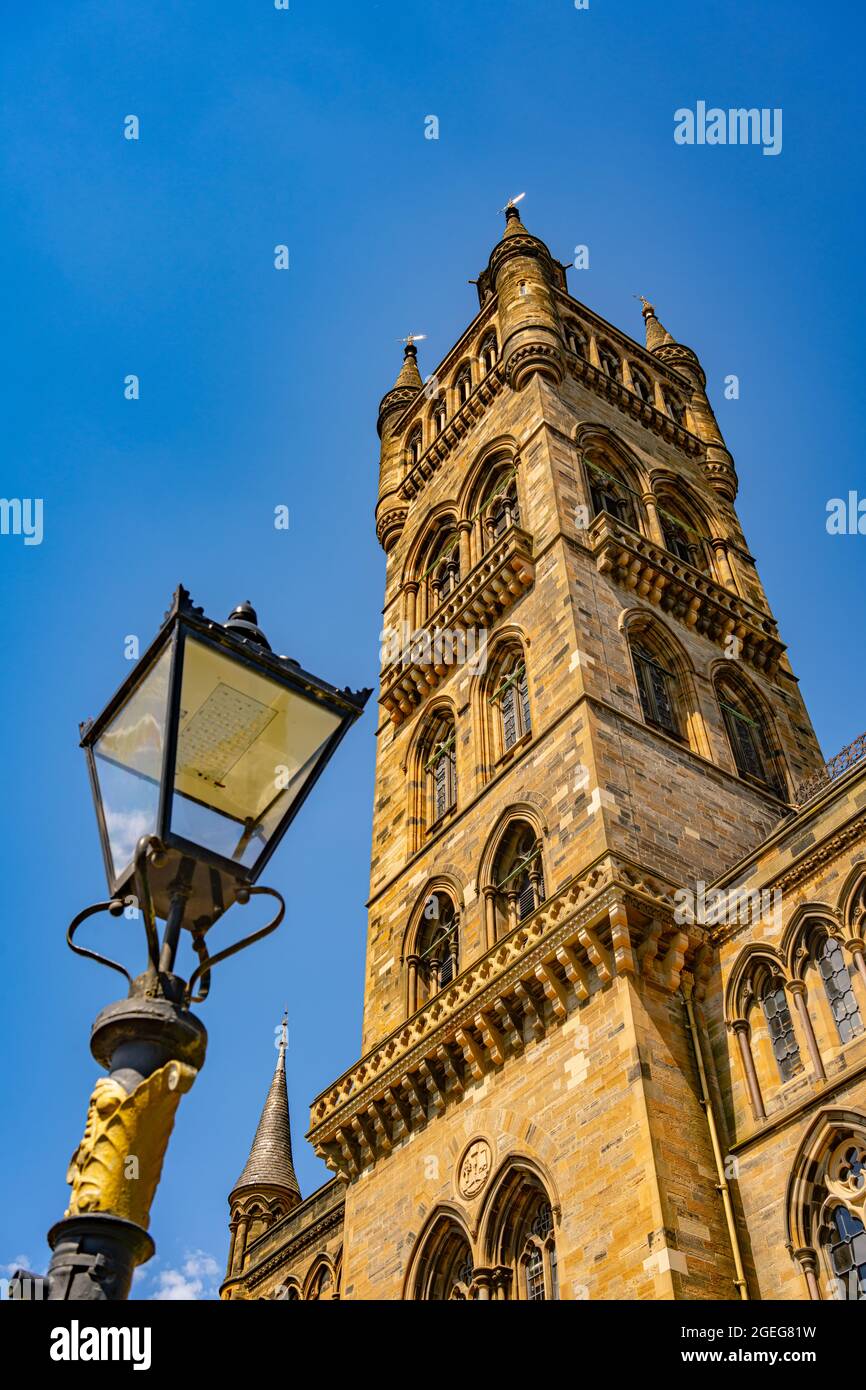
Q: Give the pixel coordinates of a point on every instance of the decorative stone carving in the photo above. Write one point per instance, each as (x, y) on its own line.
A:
(474, 1169)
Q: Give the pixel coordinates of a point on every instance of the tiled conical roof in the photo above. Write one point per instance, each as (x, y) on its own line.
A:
(270, 1162)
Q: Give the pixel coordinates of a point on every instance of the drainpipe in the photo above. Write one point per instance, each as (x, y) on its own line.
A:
(707, 1107)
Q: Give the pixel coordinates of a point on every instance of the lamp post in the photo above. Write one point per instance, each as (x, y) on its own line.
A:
(198, 765)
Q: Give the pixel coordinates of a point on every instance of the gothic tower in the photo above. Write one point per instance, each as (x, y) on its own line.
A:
(586, 706)
(577, 1079)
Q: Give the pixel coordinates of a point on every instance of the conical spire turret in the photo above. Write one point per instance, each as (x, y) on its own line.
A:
(270, 1164)
(656, 333)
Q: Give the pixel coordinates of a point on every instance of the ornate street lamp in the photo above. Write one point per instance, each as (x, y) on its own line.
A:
(198, 765)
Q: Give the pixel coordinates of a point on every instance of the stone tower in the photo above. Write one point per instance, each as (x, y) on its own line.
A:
(576, 1080)
(585, 704)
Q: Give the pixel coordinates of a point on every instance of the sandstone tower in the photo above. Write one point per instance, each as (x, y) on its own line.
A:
(569, 1086)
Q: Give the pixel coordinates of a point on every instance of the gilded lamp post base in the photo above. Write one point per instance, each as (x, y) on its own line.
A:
(152, 1049)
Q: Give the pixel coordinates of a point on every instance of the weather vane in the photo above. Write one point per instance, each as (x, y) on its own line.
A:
(511, 202)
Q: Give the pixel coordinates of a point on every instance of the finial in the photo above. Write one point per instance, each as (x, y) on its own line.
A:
(244, 621)
(648, 310)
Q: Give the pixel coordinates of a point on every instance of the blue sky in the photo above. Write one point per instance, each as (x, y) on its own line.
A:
(260, 388)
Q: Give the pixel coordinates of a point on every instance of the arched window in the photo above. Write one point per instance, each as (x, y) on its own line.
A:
(489, 352)
(440, 770)
(444, 1266)
(575, 339)
(846, 1246)
(322, 1286)
(518, 876)
(837, 986)
(675, 407)
(656, 686)
(413, 447)
(521, 1237)
(608, 493)
(681, 537)
(510, 699)
(609, 361)
(437, 947)
(440, 414)
(748, 736)
(641, 385)
(500, 509)
(780, 1026)
(442, 571)
(826, 1205)
(463, 386)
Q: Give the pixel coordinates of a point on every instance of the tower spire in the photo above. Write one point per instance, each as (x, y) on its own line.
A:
(270, 1164)
(656, 333)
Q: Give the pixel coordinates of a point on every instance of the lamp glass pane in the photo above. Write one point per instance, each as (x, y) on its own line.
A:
(246, 746)
(128, 758)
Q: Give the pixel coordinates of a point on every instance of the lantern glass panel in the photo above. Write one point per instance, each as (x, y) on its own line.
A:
(246, 746)
(128, 764)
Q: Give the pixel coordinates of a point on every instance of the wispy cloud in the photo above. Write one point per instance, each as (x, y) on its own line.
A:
(197, 1278)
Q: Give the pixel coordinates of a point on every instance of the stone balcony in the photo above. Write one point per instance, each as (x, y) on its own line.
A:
(612, 919)
(489, 589)
(689, 595)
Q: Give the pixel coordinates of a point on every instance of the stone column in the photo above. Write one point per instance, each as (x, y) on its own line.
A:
(652, 514)
(743, 1033)
(797, 990)
(857, 946)
(723, 563)
(808, 1262)
(410, 596)
(489, 917)
(465, 530)
(412, 984)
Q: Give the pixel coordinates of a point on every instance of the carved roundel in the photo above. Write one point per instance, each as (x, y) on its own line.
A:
(474, 1168)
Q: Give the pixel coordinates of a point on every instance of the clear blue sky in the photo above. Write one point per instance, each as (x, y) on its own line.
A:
(261, 387)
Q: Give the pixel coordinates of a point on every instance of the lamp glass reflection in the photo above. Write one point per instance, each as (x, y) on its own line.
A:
(246, 746)
(128, 762)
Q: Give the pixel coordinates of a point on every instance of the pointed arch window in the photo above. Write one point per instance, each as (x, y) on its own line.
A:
(523, 1239)
(489, 352)
(463, 386)
(440, 415)
(780, 1026)
(681, 538)
(747, 734)
(518, 875)
(438, 946)
(440, 771)
(610, 494)
(501, 507)
(675, 407)
(413, 447)
(846, 1246)
(511, 698)
(641, 385)
(610, 363)
(442, 573)
(576, 340)
(657, 690)
(837, 986)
